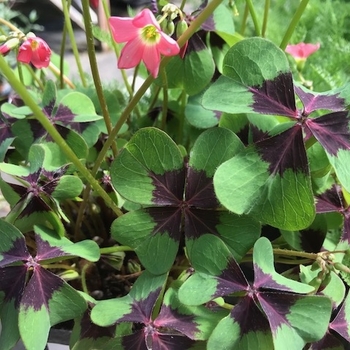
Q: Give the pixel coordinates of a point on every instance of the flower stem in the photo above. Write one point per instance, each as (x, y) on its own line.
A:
(165, 100)
(266, 16)
(254, 17)
(69, 27)
(41, 117)
(244, 20)
(293, 24)
(94, 69)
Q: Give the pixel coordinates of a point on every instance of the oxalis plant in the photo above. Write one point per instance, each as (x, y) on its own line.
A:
(208, 209)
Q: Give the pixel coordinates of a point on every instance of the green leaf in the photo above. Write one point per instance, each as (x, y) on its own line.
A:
(149, 152)
(80, 105)
(227, 335)
(68, 187)
(243, 185)
(192, 73)
(198, 116)
(87, 249)
(212, 148)
(108, 312)
(156, 250)
(259, 60)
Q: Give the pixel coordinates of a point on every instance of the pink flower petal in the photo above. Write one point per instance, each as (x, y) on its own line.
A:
(151, 57)
(123, 29)
(25, 53)
(145, 18)
(302, 50)
(167, 46)
(131, 54)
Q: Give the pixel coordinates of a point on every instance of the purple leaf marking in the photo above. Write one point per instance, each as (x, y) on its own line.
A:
(332, 131)
(46, 251)
(291, 152)
(91, 330)
(200, 190)
(231, 280)
(340, 324)
(141, 310)
(169, 187)
(40, 288)
(249, 317)
(313, 101)
(265, 280)
(168, 220)
(199, 222)
(17, 252)
(171, 318)
(276, 307)
(275, 96)
(12, 282)
(330, 201)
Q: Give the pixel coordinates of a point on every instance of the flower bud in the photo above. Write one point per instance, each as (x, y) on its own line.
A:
(9, 45)
(170, 28)
(181, 27)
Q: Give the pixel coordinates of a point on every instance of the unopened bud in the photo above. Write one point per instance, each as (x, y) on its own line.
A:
(9, 45)
(170, 28)
(181, 27)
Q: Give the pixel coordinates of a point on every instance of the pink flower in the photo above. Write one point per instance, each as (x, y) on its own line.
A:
(36, 51)
(302, 51)
(144, 41)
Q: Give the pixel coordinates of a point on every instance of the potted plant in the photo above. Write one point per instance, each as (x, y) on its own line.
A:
(206, 209)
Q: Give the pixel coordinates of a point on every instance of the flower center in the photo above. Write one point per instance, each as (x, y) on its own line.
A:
(34, 45)
(150, 34)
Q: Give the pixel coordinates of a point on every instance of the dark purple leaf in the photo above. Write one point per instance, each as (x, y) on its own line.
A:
(275, 96)
(171, 318)
(49, 108)
(231, 280)
(340, 324)
(285, 151)
(331, 130)
(46, 251)
(330, 201)
(346, 229)
(91, 330)
(312, 240)
(35, 204)
(5, 130)
(265, 280)
(329, 341)
(313, 101)
(18, 252)
(276, 307)
(169, 187)
(249, 317)
(195, 44)
(40, 288)
(141, 310)
(135, 341)
(12, 282)
(168, 220)
(63, 114)
(199, 222)
(200, 190)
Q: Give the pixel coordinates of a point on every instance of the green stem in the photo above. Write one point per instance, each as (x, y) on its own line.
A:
(285, 252)
(116, 249)
(244, 20)
(254, 17)
(165, 100)
(83, 278)
(293, 23)
(41, 117)
(182, 117)
(265, 19)
(62, 51)
(94, 69)
(70, 31)
(35, 77)
(183, 3)
(144, 87)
